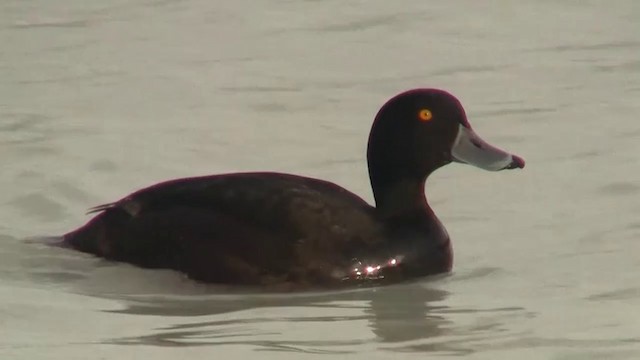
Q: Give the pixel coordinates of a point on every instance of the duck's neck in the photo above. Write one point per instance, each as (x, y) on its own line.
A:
(401, 198)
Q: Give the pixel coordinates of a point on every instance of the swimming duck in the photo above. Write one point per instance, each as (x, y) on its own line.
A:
(280, 230)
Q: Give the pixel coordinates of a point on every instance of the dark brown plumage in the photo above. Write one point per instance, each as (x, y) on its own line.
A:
(292, 232)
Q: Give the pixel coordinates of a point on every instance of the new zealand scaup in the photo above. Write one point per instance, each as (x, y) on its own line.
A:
(286, 231)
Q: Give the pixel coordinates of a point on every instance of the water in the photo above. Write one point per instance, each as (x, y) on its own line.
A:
(101, 98)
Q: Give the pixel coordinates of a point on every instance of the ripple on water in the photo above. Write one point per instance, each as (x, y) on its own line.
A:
(619, 189)
(621, 294)
(39, 207)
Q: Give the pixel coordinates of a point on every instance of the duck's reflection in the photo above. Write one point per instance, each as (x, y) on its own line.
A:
(392, 315)
(406, 313)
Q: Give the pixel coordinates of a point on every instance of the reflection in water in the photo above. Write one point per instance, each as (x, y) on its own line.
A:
(394, 314)
(399, 316)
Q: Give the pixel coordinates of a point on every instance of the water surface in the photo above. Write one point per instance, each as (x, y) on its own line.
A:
(101, 98)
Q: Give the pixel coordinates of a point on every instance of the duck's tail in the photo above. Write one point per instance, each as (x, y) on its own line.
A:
(90, 238)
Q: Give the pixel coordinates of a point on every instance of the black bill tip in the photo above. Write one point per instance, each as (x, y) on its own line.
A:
(516, 163)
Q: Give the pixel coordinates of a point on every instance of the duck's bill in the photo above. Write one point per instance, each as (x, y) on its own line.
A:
(470, 149)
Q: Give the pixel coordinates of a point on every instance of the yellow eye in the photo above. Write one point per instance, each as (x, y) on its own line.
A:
(425, 115)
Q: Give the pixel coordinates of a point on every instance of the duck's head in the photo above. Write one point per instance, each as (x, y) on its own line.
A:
(420, 130)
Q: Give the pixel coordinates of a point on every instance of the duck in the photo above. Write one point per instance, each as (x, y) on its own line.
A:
(283, 231)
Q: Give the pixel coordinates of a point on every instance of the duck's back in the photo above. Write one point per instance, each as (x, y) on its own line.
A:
(251, 228)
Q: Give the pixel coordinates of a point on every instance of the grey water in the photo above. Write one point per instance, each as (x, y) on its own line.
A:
(98, 99)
